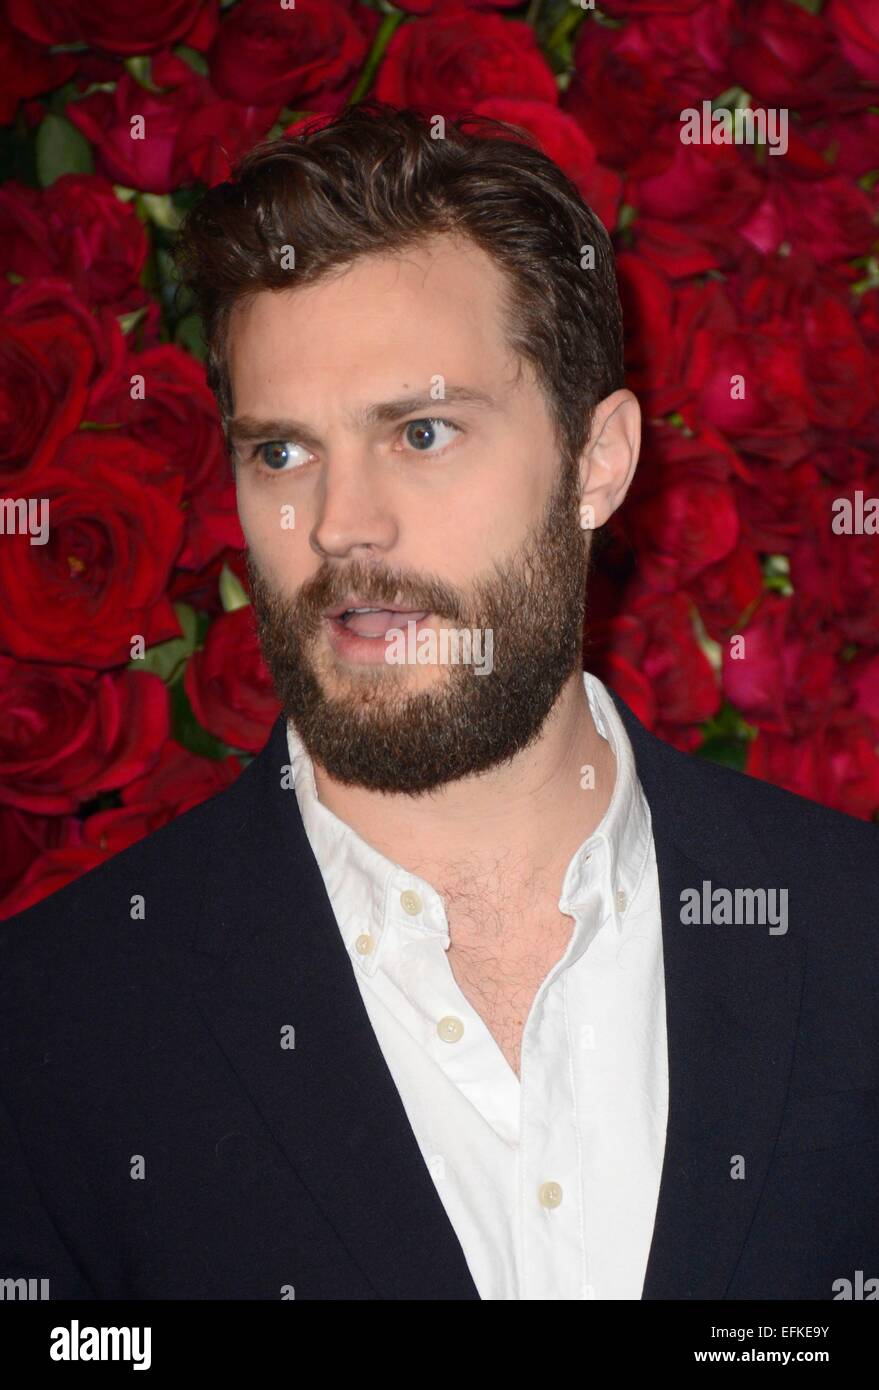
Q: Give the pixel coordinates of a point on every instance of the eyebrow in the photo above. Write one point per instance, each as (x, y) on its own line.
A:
(242, 428)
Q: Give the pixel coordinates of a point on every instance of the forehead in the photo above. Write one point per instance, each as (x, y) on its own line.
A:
(436, 307)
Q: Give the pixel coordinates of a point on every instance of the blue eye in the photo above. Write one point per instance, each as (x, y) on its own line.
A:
(425, 434)
(276, 454)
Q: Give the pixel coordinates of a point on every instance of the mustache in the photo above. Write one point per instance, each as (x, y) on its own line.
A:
(376, 587)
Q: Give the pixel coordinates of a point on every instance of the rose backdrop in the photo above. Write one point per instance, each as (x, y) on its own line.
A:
(734, 264)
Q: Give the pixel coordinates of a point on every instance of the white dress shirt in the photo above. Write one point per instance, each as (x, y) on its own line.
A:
(550, 1180)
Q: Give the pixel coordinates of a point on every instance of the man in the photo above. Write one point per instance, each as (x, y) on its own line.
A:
(470, 987)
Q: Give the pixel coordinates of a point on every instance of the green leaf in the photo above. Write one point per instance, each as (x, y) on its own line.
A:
(187, 731)
(189, 335)
(193, 59)
(61, 149)
(167, 660)
(776, 575)
(232, 592)
(140, 68)
(733, 98)
(159, 208)
(377, 52)
(728, 752)
(711, 649)
(129, 321)
(728, 724)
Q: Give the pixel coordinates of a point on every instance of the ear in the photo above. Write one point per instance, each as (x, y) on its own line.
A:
(609, 460)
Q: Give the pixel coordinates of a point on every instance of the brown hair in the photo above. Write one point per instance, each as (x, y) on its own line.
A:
(375, 179)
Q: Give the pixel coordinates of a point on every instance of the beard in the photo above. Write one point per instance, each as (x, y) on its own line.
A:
(376, 732)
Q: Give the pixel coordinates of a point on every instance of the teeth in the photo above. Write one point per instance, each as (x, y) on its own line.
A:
(349, 611)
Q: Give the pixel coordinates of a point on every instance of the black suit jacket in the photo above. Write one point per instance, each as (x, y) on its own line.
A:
(153, 1046)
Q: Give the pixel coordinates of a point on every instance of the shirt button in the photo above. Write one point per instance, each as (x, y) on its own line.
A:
(364, 944)
(550, 1194)
(450, 1028)
(411, 902)
(621, 900)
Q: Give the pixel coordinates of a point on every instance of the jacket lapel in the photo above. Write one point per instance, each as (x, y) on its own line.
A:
(268, 956)
(732, 1002)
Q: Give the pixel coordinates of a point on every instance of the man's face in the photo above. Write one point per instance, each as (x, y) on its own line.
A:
(460, 510)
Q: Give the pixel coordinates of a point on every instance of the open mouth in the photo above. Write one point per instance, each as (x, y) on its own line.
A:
(375, 622)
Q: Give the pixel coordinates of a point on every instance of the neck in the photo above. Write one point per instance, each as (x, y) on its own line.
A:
(531, 811)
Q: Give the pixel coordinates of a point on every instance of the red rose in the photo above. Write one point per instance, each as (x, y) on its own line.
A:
(648, 302)
(836, 576)
(228, 685)
(51, 297)
(422, 7)
(200, 588)
(751, 386)
(617, 97)
(188, 132)
(178, 781)
(711, 186)
(215, 135)
(449, 62)
(768, 367)
(116, 25)
(830, 219)
(114, 529)
(624, 8)
(630, 81)
(565, 143)
(836, 764)
(773, 505)
(864, 682)
(680, 514)
(840, 372)
(26, 69)
(178, 419)
(105, 119)
(654, 635)
(785, 56)
(724, 592)
(25, 838)
(857, 27)
(839, 377)
(112, 831)
(789, 676)
(265, 54)
(45, 369)
(848, 140)
(77, 228)
(66, 735)
(666, 331)
(50, 872)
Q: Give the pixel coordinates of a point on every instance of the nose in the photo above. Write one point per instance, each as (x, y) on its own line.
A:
(354, 518)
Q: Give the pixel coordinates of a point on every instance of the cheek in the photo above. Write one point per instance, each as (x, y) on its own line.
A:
(272, 528)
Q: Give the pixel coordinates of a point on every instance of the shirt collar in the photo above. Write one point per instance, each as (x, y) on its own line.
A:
(369, 892)
(622, 838)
